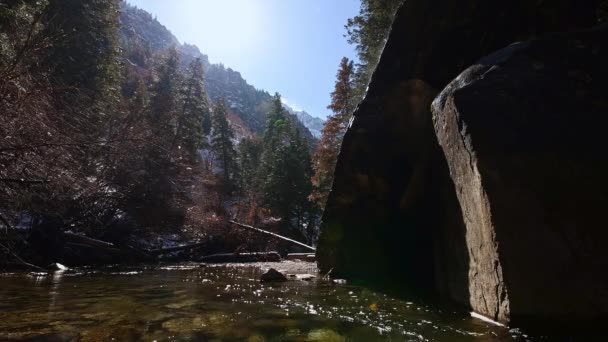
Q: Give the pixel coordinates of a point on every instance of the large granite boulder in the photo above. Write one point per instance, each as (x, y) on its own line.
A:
(393, 213)
(524, 134)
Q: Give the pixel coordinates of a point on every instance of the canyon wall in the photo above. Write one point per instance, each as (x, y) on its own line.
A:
(401, 212)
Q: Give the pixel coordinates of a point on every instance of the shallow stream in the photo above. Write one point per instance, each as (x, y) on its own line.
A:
(218, 303)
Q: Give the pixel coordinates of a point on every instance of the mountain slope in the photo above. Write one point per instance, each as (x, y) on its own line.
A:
(313, 123)
(145, 36)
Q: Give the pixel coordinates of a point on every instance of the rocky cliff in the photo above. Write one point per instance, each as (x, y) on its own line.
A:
(523, 134)
(501, 195)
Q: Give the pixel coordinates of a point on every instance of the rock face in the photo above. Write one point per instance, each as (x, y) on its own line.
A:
(523, 132)
(393, 212)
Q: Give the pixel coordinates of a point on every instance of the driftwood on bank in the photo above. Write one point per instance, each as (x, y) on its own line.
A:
(301, 256)
(272, 234)
(176, 248)
(87, 241)
(105, 248)
(242, 257)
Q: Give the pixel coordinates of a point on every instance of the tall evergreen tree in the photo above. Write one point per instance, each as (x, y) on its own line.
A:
(164, 104)
(194, 122)
(84, 61)
(368, 31)
(250, 152)
(328, 148)
(300, 171)
(277, 123)
(156, 189)
(271, 172)
(249, 159)
(285, 170)
(222, 145)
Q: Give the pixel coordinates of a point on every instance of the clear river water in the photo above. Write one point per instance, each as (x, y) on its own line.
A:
(218, 303)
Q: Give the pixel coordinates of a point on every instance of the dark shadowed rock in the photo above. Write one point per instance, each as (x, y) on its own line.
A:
(393, 213)
(273, 275)
(524, 134)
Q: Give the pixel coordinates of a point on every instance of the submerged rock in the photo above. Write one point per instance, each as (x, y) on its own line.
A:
(273, 275)
(325, 335)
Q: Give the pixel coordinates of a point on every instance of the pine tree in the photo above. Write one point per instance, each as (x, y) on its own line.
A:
(164, 104)
(272, 177)
(328, 148)
(277, 123)
(223, 147)
(194, 122)
(300, 170)
(84, 62)
(250, 152)
(285, 171)
(249, 160)
(368, 31)
(156, 191)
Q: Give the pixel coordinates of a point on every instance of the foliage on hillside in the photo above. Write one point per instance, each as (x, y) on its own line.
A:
(243, 99)
(106, 140)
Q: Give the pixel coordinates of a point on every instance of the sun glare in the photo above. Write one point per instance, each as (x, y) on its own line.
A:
(235, 26)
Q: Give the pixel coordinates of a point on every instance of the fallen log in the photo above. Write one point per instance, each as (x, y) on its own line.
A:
(176, 248)
(85, 240)
(99, 247)
(273, 235)
(301, 256)
(242, 257)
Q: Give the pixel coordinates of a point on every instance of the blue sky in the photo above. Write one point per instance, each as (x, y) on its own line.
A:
(290, 46)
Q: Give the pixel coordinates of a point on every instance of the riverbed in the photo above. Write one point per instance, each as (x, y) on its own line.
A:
(219, 303)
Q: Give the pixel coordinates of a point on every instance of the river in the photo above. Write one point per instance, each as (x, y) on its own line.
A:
(218, 303)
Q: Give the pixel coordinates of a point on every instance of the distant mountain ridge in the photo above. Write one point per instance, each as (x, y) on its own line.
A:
(313, 123)
(139, 29)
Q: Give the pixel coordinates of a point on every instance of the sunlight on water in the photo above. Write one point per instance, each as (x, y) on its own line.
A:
(220, 303)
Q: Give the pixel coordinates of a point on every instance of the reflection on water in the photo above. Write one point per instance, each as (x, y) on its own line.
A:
(223, 303)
